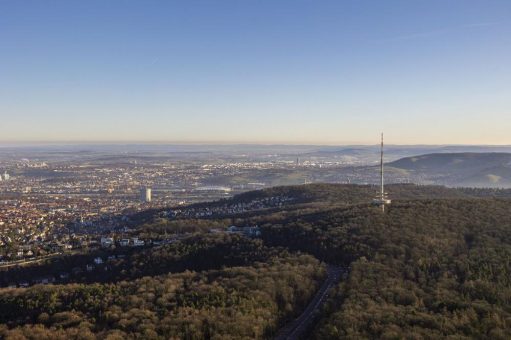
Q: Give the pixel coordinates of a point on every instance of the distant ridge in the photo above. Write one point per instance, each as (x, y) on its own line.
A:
(488, 169)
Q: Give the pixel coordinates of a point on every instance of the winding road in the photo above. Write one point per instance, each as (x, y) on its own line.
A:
(297, 328)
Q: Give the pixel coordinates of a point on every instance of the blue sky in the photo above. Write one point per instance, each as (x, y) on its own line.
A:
(320, 72)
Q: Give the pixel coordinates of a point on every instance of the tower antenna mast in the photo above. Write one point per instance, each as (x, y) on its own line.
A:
(381, 199)
(382, 193)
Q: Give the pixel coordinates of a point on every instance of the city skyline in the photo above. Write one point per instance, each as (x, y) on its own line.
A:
(293, 72)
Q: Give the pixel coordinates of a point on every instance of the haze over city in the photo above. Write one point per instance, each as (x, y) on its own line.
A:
(291, 72)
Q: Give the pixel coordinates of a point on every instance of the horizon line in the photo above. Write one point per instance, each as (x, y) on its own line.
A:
(224, 143)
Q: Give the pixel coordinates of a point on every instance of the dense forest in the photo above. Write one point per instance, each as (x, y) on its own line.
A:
(436, 264)
(424, 269)
(248, 299)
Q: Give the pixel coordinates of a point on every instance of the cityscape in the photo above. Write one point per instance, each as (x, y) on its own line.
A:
(224, 170)
(54, 205)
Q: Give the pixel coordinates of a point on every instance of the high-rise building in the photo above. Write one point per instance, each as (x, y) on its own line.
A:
(145, 195)
(6, 176)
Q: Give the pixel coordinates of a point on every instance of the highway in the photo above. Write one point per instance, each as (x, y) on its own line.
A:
(297, 328)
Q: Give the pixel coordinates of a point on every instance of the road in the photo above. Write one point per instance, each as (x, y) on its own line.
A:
(25, 262)
(297, 328)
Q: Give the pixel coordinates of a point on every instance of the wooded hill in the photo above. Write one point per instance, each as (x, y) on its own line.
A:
(436, 264)
(427, 268)
(255, 293)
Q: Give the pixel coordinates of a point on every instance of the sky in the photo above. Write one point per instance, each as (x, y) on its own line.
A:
(247, 71)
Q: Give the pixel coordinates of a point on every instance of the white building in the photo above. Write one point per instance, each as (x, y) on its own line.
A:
(247, 231)
(145, 195)
(137, 242)
(107, 242)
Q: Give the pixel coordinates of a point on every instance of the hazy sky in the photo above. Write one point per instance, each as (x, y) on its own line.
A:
(270, 71)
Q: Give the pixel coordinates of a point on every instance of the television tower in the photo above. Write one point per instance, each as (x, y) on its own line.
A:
(382, 199)
(382, 190)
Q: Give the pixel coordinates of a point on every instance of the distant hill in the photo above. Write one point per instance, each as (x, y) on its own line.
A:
(489, 169)
(369, 154)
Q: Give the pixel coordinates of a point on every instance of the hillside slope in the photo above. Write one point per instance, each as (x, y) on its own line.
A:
(461, 169)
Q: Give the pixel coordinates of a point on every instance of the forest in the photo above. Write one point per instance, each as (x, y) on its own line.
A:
(424, 269)
(436, 264)
(250, 297)
(430, 269)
